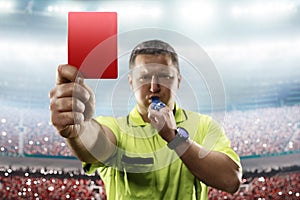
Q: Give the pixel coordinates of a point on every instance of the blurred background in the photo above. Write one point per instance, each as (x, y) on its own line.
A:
(254, 48)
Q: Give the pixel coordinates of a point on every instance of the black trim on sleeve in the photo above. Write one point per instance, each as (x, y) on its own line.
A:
(87, 167)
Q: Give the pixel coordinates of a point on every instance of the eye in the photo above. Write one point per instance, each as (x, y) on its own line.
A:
(145, 77)
(166, 76)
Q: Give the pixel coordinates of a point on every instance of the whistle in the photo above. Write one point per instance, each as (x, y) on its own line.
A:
(157, 104)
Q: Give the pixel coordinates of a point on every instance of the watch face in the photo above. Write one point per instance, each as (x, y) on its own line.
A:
(183, 132)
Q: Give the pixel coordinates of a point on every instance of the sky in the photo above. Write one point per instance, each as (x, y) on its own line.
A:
(244, 42)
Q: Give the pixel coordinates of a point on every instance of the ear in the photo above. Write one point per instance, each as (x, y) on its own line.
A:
(179, 80)
(130, 81)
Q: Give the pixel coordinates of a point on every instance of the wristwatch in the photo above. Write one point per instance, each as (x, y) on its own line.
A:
(181, 136)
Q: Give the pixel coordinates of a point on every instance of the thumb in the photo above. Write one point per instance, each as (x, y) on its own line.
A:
(66, 73)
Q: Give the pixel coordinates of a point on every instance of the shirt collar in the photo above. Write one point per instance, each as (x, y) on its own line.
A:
(136, 119)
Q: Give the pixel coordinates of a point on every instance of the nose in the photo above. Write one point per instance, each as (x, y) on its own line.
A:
(154, 87)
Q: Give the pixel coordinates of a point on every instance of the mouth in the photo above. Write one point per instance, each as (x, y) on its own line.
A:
(153, 97)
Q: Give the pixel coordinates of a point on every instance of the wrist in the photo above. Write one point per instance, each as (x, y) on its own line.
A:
(182, 148)
(181, 137)
(169, 136)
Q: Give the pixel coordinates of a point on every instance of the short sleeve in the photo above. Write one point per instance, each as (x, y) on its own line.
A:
(216, 140)
(111, 123)
(90, 169)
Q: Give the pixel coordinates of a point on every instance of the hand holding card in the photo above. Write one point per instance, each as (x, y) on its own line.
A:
(92, 44)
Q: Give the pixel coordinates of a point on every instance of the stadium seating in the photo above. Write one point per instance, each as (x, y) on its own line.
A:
(253, 132)
(26, 184)
(282, 186)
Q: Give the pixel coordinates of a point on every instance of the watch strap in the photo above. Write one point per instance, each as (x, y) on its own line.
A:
(179, 138)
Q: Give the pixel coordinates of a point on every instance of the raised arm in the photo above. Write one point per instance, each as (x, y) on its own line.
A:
(72, 106)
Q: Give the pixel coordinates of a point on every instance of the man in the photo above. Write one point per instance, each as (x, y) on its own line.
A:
(158, 151)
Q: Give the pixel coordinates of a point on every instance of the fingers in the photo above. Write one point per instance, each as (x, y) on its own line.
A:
(154, 115)
(164, 121)
(70, 90)
(61, 120)
(158, 118)
(67, 73)
(67, 104)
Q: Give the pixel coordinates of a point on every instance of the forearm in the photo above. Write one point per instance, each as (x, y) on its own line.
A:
(214, 169)
(93, 144)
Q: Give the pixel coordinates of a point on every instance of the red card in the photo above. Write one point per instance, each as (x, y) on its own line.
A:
(92, 43)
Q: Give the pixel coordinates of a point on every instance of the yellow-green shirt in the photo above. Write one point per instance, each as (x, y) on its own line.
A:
(143, 167)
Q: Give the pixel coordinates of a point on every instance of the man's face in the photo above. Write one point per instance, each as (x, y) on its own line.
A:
(154, 75)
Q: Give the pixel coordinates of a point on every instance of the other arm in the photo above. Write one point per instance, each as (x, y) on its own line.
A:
(213, 168)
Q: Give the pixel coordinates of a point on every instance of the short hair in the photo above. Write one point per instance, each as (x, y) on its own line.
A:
(154, 47)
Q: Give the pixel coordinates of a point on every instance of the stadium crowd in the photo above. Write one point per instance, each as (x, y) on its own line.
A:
(264, 131)
(9, 140)
(252, 132)
(30, 131)
(26, 184)
(30, 184)
(281, 186)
